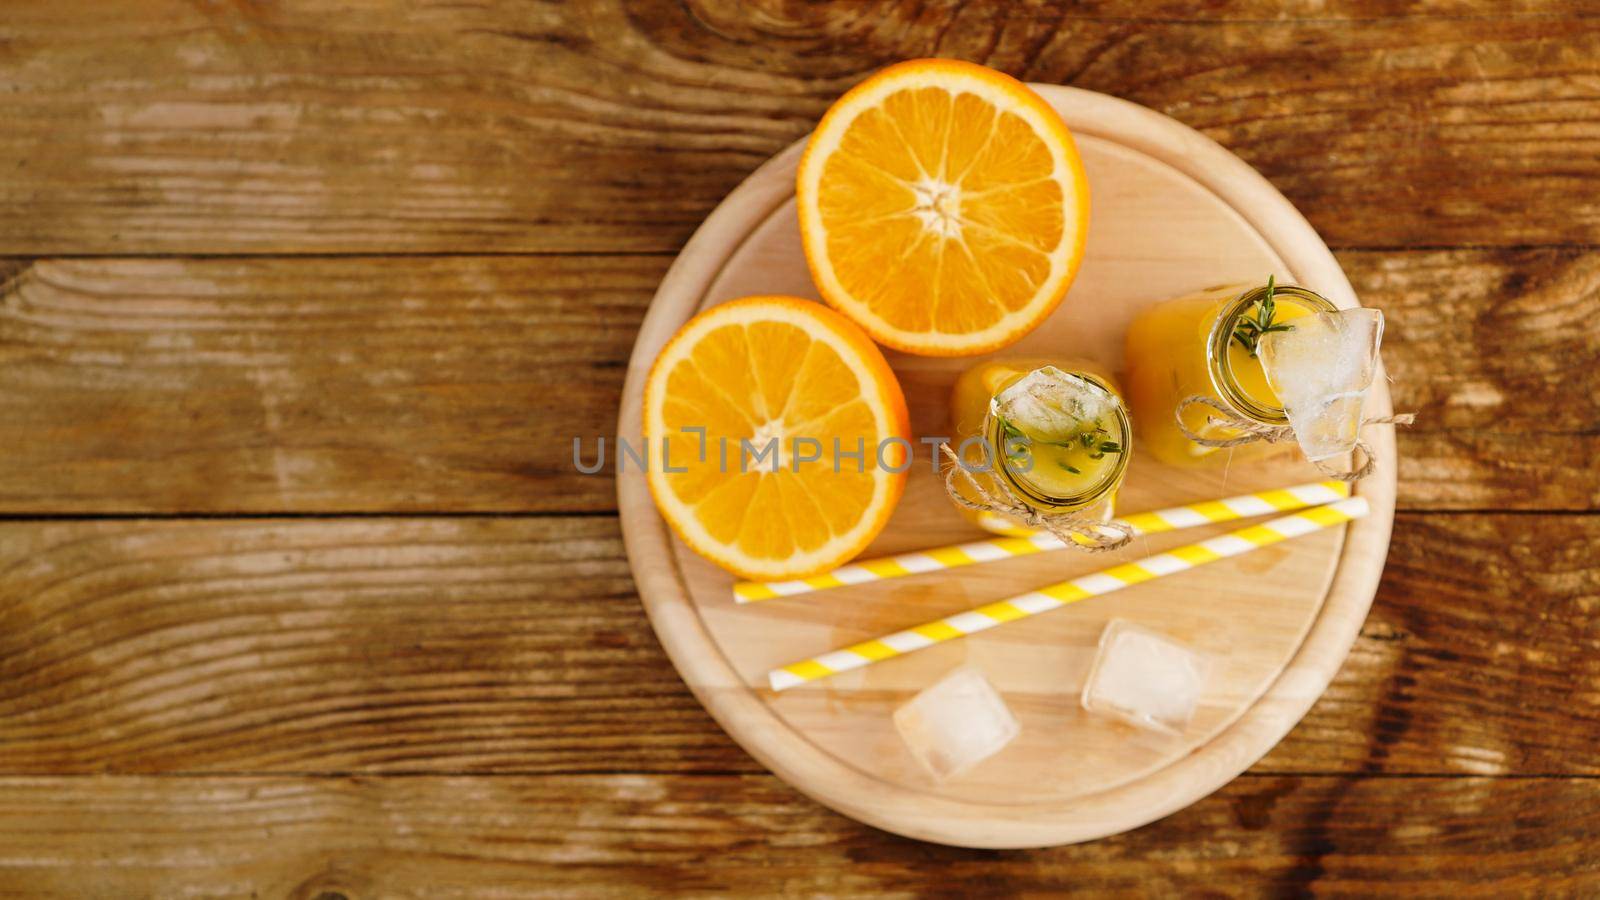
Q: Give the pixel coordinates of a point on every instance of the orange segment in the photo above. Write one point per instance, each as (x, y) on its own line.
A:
(943, 207)
(759, 369)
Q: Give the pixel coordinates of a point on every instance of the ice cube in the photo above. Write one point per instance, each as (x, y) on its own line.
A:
(1048, 404)
(1321, 370)
(1144, 677)
(956, 724)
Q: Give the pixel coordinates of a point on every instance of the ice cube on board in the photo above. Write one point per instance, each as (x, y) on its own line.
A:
(1048, 404)
(1145, 678)
(957, 723)
(1321, 369)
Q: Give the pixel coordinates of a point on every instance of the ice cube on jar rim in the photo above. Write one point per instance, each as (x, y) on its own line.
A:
(1355, 334)
(1112, 687)
(1049, 404)
(1321, 371)
(948, 752)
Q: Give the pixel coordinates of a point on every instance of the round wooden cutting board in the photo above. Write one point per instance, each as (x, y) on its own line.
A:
(1172, 212)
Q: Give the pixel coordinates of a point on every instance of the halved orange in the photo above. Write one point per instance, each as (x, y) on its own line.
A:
(943, 207)
(742, 375)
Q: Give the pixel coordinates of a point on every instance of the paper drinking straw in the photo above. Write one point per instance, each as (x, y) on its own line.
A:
(1025, 543)
(1032, 603)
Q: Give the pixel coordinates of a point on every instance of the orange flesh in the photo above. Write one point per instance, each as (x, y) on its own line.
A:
(748, 383)
(946, 227)
(943, 207)
(800, 384)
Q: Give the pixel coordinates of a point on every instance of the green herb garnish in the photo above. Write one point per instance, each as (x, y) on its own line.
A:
(1092, 440)
(1098, 448)
(1015, 443)
(1106, 447)
(1249, 331)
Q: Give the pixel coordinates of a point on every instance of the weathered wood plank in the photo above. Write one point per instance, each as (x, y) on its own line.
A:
(1481, 655)
(155, 126)
(1489, 342)
(1498, 352)
(624, 835)
(517, 646)
(313, 384)
(1505, 470)
(461, 644)
(418, 384)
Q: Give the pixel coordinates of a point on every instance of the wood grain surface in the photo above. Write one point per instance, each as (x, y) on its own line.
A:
(517, 646)
(311, 385)
(179, 127)
(376, 384)
(632, 835)
(299, 596)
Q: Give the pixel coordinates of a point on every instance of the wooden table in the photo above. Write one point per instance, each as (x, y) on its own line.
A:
(303, 302)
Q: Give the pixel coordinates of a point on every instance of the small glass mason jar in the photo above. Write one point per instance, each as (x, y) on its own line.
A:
(1186, 347)
(1074, 477)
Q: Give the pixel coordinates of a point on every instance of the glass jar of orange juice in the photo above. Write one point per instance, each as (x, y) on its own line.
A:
(1051, 433)
(1204, 345)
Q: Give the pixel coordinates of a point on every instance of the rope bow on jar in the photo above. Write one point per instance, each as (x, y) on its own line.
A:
(1072, 528)
(1251, 432)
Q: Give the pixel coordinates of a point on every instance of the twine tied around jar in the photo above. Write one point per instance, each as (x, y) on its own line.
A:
(1252, 431)
(1074, 530)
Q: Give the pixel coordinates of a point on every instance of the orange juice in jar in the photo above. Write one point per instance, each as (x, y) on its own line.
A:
(1205, 345)
(1063, 447)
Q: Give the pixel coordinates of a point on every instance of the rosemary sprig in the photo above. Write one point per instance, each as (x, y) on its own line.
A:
(1098, 448)
(1015, 443)
(1249, 331)
(1092, 440)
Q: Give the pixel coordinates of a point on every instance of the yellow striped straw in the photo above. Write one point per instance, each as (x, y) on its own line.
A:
(1025, 543)
(1055, 596)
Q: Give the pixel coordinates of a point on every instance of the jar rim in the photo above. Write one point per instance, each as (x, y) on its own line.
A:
(1098, 491)
(1223, 379)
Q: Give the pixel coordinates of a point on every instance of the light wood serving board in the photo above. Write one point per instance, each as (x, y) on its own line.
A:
(1172, 212)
